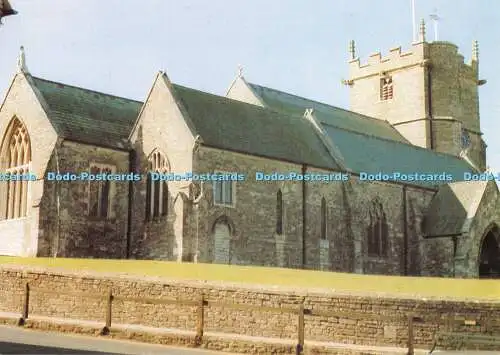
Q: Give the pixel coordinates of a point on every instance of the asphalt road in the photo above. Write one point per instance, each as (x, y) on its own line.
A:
(21, 341)
(465, 352)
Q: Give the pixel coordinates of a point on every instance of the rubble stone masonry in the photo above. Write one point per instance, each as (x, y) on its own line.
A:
(367, 319)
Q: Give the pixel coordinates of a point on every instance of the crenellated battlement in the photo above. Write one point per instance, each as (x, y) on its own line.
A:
(412, 87)
(395, 59)
(420, 54)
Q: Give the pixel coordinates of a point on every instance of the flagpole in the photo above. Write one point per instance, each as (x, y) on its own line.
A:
(435, 18)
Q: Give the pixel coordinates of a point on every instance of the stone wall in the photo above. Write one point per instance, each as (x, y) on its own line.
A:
(21, 102)
(252, 218)
(68, 230)
(369, 320)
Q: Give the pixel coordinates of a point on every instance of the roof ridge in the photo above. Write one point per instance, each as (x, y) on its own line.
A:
(238, 102)
(89, 90)
(323, 103)
(397, 142)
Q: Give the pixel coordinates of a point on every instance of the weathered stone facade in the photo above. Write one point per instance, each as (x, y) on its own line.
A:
(435, 95)
(353, 225)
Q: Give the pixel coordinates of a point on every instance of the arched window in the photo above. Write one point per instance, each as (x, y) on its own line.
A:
(157, 190)
(324, 218)
(223, 231)
(279, 212)
(16, 158)
(100, 191)
(377, 231)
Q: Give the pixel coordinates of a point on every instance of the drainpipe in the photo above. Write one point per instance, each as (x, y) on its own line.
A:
(455, 243)
(429, 102)
(58, 204)
(405, 234)
(196, 203)
(132, 168)
(304, 218)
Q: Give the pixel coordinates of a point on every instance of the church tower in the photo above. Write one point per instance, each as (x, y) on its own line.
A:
(428, 94)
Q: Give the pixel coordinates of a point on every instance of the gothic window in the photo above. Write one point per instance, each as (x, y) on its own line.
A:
(324, 217)
(16, 158)
(386, 88)
(224, 192)
(100, 191)
(377, 231)
(157, 190)
(279, 212)
(465, 139)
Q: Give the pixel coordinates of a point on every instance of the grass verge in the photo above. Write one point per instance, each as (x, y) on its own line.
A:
(343, 282)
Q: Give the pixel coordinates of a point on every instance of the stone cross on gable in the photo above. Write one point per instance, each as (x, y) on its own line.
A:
(21, 61)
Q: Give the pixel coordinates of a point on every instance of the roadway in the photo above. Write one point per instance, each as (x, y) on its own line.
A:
(15, 340)
(22, 341)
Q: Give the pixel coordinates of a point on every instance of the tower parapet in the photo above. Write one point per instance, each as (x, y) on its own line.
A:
(395, 60)
(428, 93)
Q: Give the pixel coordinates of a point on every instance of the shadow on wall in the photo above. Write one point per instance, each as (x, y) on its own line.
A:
(414, 258)
(153, 236)
(65, 227)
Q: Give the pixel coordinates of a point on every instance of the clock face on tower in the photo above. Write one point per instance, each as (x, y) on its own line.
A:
(465, 139)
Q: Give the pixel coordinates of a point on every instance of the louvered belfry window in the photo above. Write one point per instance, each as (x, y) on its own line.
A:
(386, 88)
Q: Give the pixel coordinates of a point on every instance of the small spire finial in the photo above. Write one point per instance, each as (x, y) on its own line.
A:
(475, 50)
(21, 61)
(422, 31)
(240, 70)
(352, 49)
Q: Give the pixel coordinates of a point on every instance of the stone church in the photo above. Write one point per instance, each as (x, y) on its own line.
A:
(411, 112)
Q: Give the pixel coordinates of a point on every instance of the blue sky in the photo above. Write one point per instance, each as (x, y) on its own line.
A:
(117, 46)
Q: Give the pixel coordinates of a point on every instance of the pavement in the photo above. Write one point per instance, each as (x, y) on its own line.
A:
(465, 352)
(14, 340)
(21, 341)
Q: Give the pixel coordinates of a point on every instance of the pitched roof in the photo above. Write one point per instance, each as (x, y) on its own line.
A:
(367, 144)
(453, 208)
(326, 114)
(229, 124)
(96, 118)
(88, 116)
(363, 153)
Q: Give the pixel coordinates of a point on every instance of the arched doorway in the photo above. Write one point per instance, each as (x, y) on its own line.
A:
(222, 239)
(489, 255)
